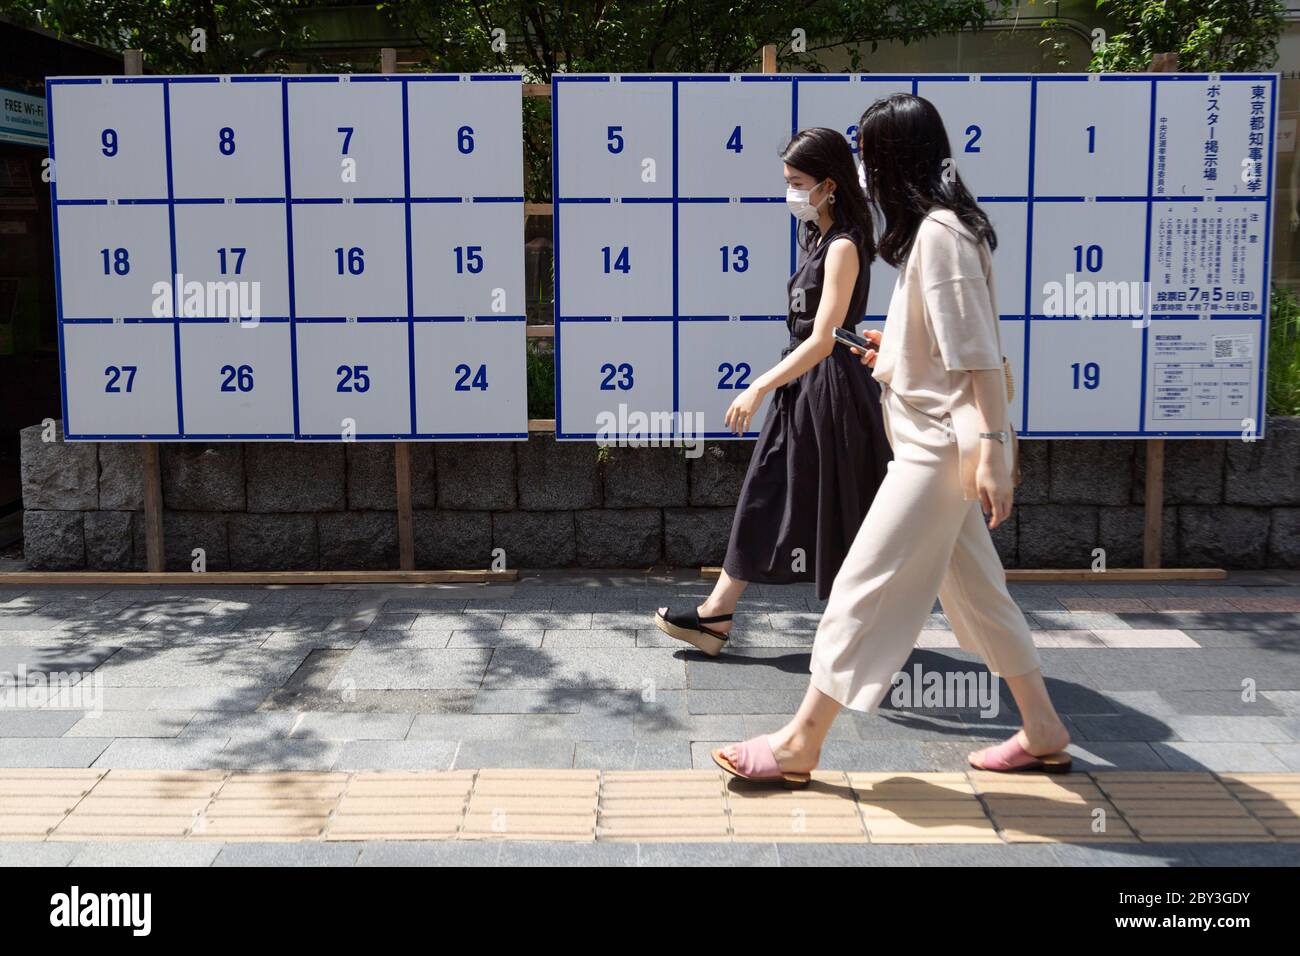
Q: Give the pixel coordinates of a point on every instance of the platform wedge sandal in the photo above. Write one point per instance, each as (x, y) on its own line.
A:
(688, 626)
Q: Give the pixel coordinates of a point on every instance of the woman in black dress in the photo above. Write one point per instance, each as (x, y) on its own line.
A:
(822, 452)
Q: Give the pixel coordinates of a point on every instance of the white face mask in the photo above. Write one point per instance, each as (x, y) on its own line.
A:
(799, 205)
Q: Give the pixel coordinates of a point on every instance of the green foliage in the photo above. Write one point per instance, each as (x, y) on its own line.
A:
(1284, 353)
(163, 29)
(537, 150)
(1209, 36)
(712, 36)
(541, 379)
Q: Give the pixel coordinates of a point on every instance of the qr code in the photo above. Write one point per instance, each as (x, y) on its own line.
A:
(1230, 348)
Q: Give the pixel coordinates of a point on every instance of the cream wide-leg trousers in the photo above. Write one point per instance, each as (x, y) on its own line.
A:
(920, 540)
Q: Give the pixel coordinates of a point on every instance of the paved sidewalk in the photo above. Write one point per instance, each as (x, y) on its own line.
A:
(566, 671)
(647, 806)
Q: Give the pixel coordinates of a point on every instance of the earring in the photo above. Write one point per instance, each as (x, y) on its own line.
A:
(831, 199)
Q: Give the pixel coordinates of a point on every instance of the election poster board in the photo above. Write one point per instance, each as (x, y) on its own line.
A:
(315, 258)
(1132, 211)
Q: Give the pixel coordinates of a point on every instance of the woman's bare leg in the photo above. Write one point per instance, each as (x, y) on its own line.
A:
(1043, 731)
(721, 600)
(798, 745)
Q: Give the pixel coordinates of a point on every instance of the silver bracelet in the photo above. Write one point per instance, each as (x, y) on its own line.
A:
(1000, 436)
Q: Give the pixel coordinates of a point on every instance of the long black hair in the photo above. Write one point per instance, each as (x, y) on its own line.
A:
(910, 169)
(824, 154)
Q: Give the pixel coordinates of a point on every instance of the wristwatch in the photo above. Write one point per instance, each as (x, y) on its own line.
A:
(1000, 436)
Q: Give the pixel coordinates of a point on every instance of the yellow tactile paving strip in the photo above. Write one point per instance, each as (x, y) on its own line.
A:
(647, 806)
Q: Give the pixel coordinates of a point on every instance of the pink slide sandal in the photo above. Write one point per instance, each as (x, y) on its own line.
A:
(755, 761)
(1010, 756)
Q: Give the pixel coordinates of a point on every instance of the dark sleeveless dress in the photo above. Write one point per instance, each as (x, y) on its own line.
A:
(820, 456)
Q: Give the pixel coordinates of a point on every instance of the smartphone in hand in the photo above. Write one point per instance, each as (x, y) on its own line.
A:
(844, 337)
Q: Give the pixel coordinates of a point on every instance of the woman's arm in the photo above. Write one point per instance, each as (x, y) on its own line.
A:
(959, 305)
(992, 477)
(837, 291)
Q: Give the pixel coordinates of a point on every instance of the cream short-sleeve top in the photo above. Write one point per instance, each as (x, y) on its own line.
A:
(942, 324)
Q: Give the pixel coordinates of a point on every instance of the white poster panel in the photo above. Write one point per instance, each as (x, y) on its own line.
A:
(283, 257)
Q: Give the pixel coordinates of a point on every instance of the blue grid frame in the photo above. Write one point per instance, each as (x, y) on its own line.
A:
(1029, 200)
(676, 200)
(288, 201)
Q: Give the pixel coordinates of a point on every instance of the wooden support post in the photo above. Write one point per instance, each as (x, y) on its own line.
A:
(1154, 492)
(405, 516)
(151, 476)
(401, 450)
(150, 470)
(769, 58)
(1154, 496)
(131, 579)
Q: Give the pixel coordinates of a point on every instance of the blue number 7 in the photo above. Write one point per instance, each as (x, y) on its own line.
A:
(347, 137)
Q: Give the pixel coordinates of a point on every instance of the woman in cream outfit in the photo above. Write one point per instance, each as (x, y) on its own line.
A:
(944, 398)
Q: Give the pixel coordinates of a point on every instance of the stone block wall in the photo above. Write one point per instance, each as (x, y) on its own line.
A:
(284, 506)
